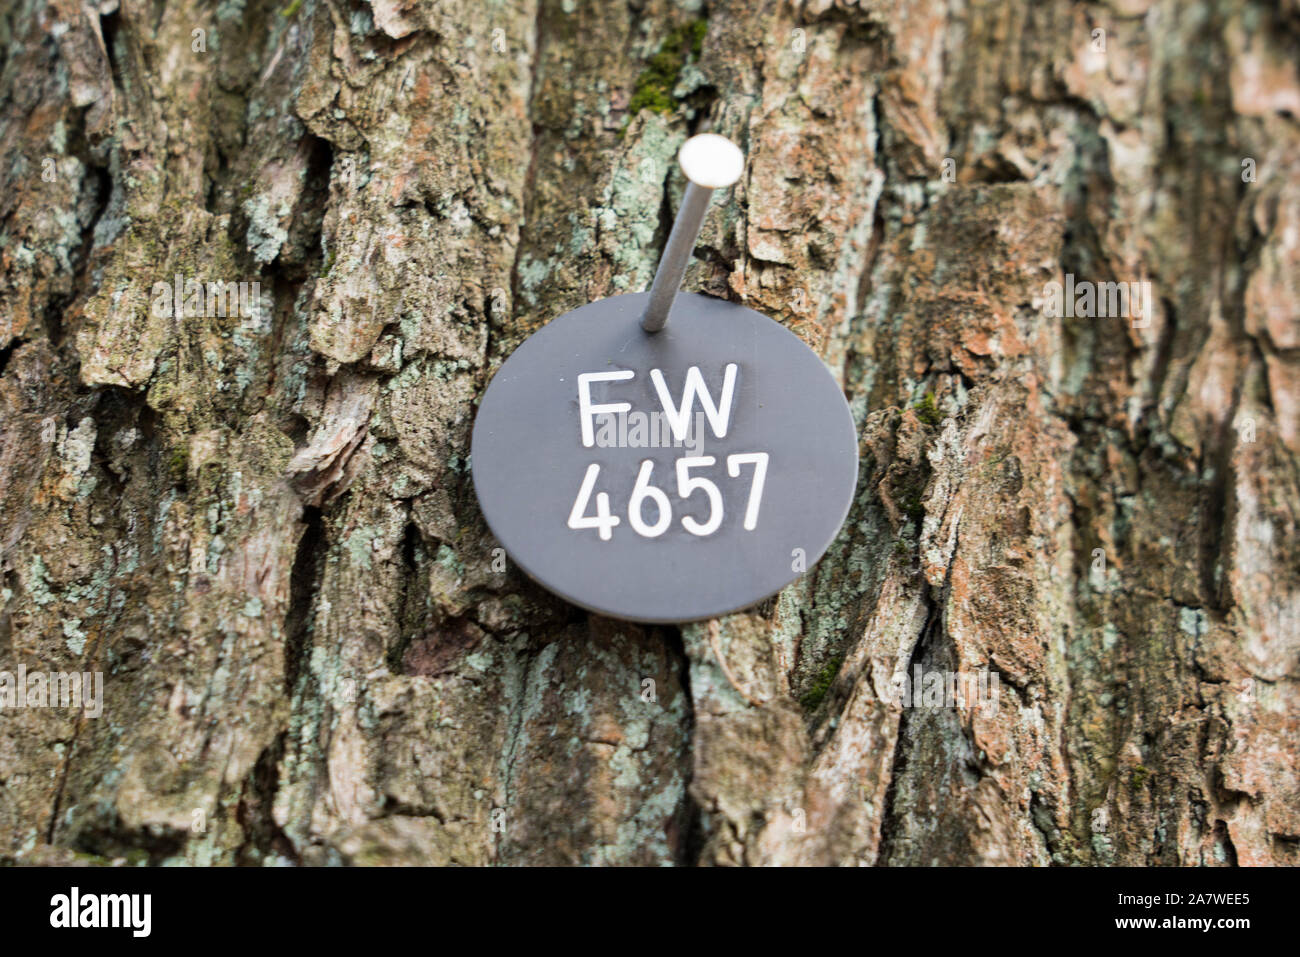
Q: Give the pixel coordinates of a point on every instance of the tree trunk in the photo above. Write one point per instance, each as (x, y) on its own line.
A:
(261, 529)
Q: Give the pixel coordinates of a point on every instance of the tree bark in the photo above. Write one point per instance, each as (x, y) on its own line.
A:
(263, 530)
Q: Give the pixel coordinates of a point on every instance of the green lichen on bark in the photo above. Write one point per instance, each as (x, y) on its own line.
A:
(654, 87)
(813, 697)
(927, 410)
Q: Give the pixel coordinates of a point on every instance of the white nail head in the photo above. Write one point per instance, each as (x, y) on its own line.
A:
(711, 160)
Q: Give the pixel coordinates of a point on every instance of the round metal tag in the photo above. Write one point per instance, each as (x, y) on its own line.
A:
(664, 477)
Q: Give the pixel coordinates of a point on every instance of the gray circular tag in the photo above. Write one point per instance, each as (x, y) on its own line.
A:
(664, 477)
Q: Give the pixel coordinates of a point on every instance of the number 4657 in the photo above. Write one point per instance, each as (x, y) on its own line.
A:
(687, 485)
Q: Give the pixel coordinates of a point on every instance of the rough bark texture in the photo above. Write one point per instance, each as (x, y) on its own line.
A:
(265, 534)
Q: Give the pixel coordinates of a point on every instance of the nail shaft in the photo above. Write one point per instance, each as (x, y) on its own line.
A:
(676, 257)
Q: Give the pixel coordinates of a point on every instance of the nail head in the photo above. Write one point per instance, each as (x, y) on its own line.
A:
(711, 161)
